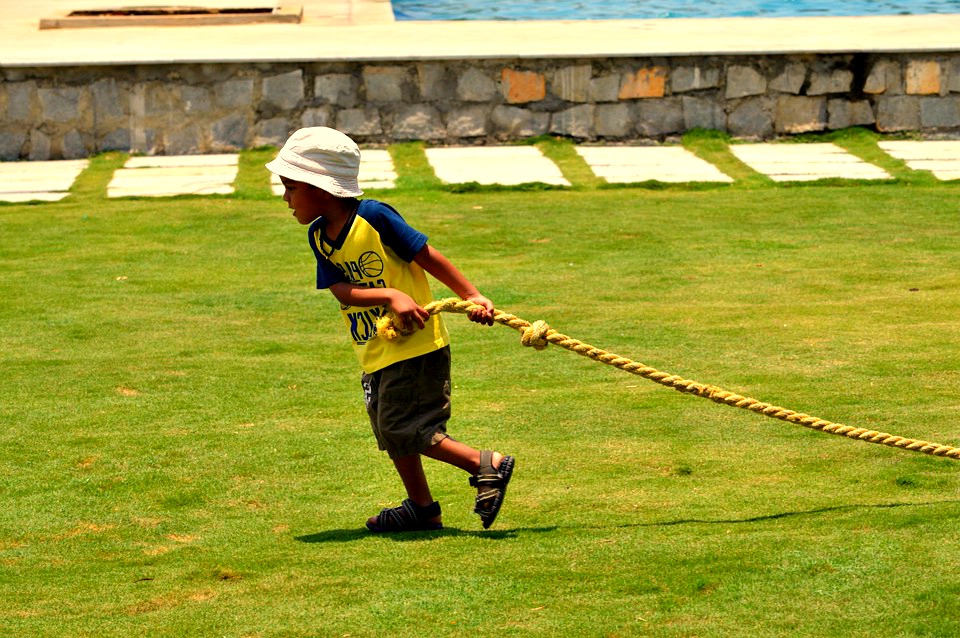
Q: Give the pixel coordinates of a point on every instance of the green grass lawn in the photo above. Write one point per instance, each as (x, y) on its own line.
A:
(184, 451)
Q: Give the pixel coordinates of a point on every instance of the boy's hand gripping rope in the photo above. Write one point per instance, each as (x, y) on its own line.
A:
(538, 335)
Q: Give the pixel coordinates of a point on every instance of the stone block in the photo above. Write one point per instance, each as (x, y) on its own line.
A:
(751, 118)
(360, 122)
(336, 88)
(317, 116)
(437, 82)
(511, 122)
(384, 83)
(20, 99)
(72, 146)
(703, 112)
(184, 141)
(791, 79)
(115, 140)
(953, 80)
(39, 146)
(922, 77)
(575, 122)
(234, 93)
(572, 83)
(272, 132)
(521, 87)
(795, 114)
(145, 140)
(605, 88)
(656, 118)
(940, 112)
(284, 91)
(476, 86)
(471, 121)
(898, 113)
(418, 122)
(229, 133)
(744, 81)
(196, 99)
(842, 113)
(157, 99)
(885, 78)
(60, 104)
(694, 78)
(648, 82)
(11, 145)
(827, 82)
(613, 120)
(105, 95)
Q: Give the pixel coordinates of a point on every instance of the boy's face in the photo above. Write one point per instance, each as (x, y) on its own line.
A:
(306, 201)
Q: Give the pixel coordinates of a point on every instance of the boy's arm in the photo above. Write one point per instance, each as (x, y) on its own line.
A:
(402, 305)
(433, 261)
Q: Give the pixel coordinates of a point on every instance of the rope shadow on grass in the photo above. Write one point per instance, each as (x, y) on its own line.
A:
(780, 515)
(350, 535)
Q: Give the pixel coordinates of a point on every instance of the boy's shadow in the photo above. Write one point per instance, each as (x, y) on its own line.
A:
(350, 535)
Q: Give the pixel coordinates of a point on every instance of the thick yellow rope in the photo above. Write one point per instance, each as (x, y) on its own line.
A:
(538, 335)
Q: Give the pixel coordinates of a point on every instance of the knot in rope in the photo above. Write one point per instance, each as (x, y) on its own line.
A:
(535, 335)
(387, 328)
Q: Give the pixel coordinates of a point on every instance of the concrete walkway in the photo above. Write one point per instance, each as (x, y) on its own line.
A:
(364, 30)
(38, 181)
(175, 175)
(504, 165)
(805, 162)
(940, 158)
(627, 164)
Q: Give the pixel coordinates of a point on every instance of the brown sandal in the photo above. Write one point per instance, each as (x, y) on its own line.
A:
(491, 484)
(408, 517)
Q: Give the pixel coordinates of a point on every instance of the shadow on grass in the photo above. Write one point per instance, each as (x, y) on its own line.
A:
(773, 517)
(350, 535)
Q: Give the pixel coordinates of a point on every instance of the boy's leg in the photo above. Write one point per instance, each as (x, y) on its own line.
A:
(490, 472)
(410, 469)
(459, 455)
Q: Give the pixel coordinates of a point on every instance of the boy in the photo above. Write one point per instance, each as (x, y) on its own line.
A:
(374, 262)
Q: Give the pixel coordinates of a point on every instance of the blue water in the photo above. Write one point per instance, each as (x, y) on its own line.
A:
(646, 9)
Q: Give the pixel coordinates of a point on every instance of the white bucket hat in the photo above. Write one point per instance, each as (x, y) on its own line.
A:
(323, 157)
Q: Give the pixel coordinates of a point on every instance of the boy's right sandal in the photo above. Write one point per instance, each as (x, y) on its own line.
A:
(491, 484)
(408, 517)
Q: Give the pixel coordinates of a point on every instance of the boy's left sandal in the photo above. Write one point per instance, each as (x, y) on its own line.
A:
(408, 517)
(491, 484)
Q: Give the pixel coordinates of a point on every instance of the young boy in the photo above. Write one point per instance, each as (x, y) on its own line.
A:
(374, 262)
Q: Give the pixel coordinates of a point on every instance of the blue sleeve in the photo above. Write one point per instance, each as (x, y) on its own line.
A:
(327, 273)
(395, 233)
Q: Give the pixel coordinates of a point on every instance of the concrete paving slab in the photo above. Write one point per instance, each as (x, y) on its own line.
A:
(174, 175)
(805, 162)
(38, 181)
(214, 173)
(157, 161)
(940, 157)
(19, 198)
(376, 171)
(490, 165)
(167, 187)
(626, 164)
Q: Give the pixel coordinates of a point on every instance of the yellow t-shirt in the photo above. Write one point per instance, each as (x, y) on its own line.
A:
(375, 249)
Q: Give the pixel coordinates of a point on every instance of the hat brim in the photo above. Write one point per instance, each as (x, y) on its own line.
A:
(337, 186)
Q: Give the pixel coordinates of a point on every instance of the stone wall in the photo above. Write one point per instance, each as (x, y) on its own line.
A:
(72, 112)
